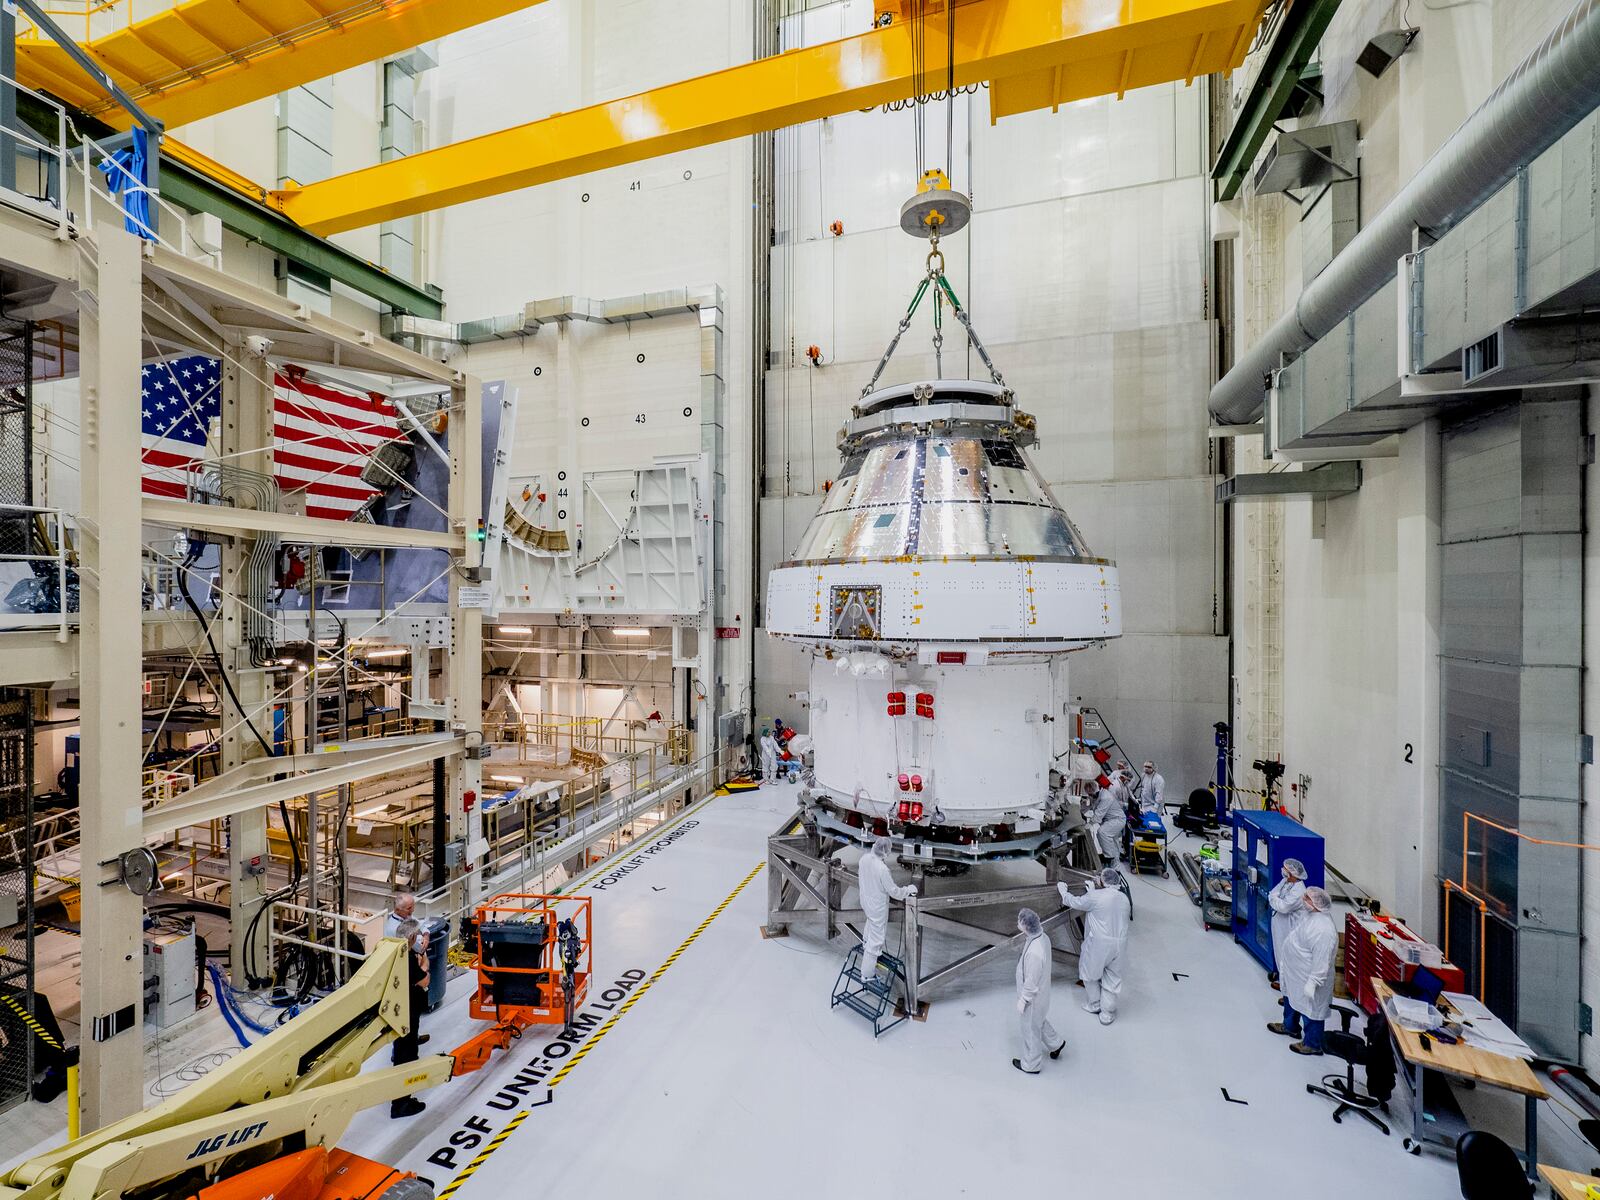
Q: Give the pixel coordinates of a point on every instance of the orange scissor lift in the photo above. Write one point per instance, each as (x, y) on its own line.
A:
(534, 959)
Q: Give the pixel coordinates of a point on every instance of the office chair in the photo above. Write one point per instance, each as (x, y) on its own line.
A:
(1358, 1050)
(1198, 815)
(1489, 1169)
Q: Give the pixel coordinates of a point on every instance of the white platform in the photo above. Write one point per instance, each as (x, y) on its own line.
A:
(731, 1076)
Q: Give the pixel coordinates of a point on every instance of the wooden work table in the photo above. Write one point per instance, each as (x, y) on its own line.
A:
(1462, 1062)
(1567, 1185)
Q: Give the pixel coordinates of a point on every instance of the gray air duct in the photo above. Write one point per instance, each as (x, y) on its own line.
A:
(1544, 97)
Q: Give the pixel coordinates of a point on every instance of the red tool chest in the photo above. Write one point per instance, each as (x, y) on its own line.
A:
(1385, 948)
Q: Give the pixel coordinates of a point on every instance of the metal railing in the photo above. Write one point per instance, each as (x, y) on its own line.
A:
(176, 218)
(74, 153)
(161, 785)
(62, 11)
(53, 529)
(557, 731)
(611, 819)
(343, 929)
(52, 162)
(617, 820)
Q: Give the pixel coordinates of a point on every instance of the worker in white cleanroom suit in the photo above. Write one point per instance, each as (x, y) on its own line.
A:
(1107, 913)
(1122, 785)
(1306, 974)
(877, 887)
(1287, 903)
(1107, 814)
(1152, 788)
(1033, 996)
(769, 757)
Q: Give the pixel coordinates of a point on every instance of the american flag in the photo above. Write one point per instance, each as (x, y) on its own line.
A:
(322, 435)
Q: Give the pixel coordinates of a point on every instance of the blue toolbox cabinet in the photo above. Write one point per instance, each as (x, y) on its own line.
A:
(1262, 841)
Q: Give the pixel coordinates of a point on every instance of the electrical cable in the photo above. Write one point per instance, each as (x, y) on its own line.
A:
(251, 962)
(950, 90)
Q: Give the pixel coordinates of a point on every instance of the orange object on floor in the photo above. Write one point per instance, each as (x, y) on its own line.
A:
(533, 991)
(314, 1174)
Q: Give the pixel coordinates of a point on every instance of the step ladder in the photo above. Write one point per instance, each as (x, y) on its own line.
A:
(328, 692)
(1093, 736)
(871, 993)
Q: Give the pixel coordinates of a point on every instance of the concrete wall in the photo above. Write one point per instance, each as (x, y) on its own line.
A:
(674, 222)
(1359, 575)
(1085, 271)
(251, 140)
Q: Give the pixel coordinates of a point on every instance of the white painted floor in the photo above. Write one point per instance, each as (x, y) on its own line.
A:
(731, 1076)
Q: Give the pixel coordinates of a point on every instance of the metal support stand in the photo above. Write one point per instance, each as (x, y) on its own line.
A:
(807, 884)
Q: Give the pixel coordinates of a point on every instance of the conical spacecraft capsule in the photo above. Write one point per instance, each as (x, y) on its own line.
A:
(938, 593)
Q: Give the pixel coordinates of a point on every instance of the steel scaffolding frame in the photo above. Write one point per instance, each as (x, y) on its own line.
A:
(808, 885)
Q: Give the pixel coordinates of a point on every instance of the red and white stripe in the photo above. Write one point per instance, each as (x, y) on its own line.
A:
(322, 437)
(164, 472)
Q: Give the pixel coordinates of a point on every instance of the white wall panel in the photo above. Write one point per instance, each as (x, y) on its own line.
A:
(1093, 145)
(1117, 260)
(1084, 271)
(679, 221)
(859, 168)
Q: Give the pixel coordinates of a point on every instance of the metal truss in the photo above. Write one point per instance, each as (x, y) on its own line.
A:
(807, 885)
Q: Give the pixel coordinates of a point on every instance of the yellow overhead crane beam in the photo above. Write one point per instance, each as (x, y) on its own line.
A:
(202, 57)
(1038, 53)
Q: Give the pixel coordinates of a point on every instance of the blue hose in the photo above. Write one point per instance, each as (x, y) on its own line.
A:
(245, 1018)
(233, 1012)
(219, 988)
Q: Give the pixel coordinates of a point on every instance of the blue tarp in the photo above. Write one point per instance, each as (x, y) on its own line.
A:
(127, 175)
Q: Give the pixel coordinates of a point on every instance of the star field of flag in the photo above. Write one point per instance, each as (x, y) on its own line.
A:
(178, 400)
(322, 434)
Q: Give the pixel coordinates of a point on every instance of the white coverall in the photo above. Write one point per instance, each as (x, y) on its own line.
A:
(1287, 901)
(769, 759)
(1105, 937)
(1305, 972)
(1033, 988)
(1152, 791)
(877, 886)
(1108, 817)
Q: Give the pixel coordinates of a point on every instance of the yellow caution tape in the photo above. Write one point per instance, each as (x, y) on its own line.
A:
(27, 1019)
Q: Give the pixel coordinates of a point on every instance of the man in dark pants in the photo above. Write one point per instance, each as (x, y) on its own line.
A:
(405, 1048)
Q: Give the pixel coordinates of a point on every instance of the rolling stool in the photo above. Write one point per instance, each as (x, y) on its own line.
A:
(1357, 1050)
